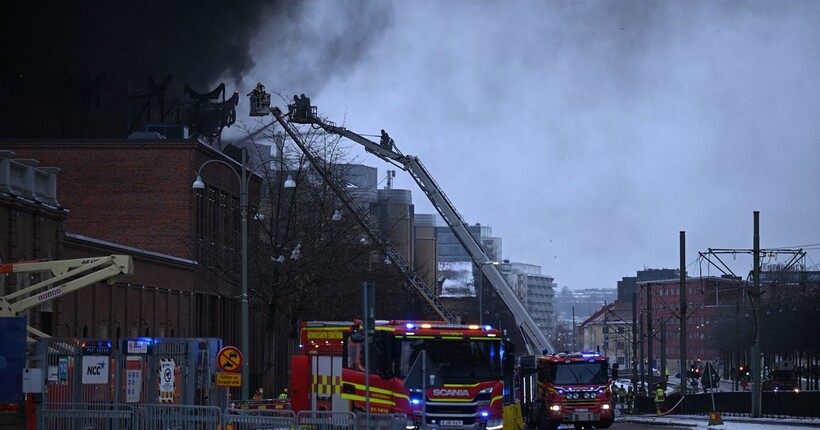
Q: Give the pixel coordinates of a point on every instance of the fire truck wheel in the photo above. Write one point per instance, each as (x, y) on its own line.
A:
(545, 423)
(542, 423)
(604, 424)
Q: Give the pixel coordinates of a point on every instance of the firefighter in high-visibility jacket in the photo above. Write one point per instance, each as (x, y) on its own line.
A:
(660, 396)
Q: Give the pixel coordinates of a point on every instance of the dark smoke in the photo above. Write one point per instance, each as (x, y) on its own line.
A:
(69, 66)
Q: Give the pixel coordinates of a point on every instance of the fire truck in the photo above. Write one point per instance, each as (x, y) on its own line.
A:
(462, 384)
(565, 388)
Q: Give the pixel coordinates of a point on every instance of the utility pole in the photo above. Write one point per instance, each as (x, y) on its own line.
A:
(663, 354)
(635, 341)
(649, 358)
(683, 313)
(640, 355)
(755, 364)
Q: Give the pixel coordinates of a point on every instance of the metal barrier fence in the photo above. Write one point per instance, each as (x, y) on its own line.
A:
(252, 419)
(96, 416)
(178, 417)
(381, 421)
(85, 416)
(325, 420)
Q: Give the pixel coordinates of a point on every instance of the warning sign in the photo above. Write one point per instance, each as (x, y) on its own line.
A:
(228, 379)
(229, 359)
(133, 379)
(166, 380)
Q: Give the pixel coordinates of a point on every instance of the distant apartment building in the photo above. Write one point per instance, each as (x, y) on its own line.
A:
(536, 291)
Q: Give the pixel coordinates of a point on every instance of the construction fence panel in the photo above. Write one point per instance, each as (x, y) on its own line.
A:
(76, 371)
(85, 416)
(170, 370)
(325, 420)
(253, 419)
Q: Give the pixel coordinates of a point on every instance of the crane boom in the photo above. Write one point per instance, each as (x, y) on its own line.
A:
(536, 341)
(68, 276)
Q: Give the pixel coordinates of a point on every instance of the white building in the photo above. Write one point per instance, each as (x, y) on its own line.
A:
(536, 291)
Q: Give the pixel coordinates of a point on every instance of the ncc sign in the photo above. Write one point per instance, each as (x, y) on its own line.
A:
(95, 369)
(229, 359)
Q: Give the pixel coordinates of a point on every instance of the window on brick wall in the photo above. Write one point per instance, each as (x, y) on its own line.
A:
(218, 229)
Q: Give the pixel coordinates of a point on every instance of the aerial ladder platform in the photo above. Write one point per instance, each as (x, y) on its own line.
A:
(536, 341)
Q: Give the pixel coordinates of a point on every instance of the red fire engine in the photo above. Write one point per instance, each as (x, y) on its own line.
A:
(468, 363)
(566, 388)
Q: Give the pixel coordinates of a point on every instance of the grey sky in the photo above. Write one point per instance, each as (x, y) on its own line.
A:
(587, 134)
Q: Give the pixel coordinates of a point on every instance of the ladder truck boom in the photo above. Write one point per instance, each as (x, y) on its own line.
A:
(536, 341)
(373, 231)
(68, 276)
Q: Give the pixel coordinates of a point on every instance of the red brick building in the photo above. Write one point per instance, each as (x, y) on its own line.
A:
(709, 299)
(131, 197)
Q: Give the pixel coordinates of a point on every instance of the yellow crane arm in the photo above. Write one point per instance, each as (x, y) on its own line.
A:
(68, 276)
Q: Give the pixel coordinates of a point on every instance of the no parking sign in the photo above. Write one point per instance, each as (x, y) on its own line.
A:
(229, 359)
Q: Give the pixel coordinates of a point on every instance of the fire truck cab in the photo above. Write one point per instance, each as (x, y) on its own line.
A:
(566, 388)
(468, 365)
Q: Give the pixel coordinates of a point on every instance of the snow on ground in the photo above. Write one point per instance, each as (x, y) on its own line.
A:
(729, 423)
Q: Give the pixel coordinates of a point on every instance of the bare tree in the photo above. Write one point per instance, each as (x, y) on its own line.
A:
(305, 263)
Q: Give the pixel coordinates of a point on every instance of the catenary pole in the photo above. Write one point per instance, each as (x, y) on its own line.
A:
(756, 349)
(635, 341)
(683, 305)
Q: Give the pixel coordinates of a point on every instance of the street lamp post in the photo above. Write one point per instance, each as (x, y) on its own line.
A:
(243, 206)
(244, 183)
